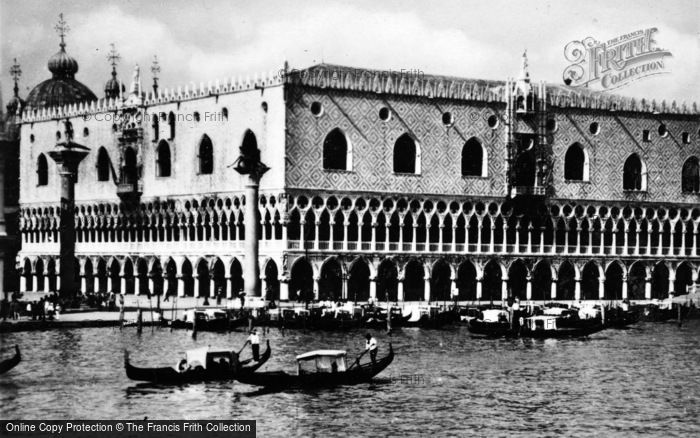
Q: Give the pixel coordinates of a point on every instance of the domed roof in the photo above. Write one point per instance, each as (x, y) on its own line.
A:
(112, 88)
(62, 88)
(63, 65)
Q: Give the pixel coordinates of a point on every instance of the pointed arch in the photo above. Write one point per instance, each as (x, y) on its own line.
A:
(42, 170)
(301, 283)
(414, 284)
(566, 281)
(104, 165)
(466, 281)
(407, 155)
(331, 282)
(441, 281)
(337, 151)
(636, 281)
(634, 176)
(576, 163)
(387, 281)
(171, 125)
(205, 156)
(163, 160)
(492, 283)
(474, 158)
(690, 175)
(358, 281)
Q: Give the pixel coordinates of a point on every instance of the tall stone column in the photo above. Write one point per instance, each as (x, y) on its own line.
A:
(399, 290)
(68, 156)
(252, 170)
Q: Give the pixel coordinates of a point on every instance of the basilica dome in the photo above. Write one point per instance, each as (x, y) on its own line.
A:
(62, 88)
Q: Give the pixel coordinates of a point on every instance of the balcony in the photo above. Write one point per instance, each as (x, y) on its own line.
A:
(528, 191)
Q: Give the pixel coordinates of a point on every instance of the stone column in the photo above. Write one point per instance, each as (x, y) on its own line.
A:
(478, 288)
(553, 289)
(373, 288)
(180, 286)
(212, 287)
(504, 288)
(122, 284)
(110, 286)
(590, 240)
(624, 287)
(83, 283)
(137, 285)
(68, 156)
(345, 235)
(23, 283)
(196, 284)
(577, 290)
(251, 264)
(426, 289)
(636, 242)
(229, 290)
(414, 241)
(344, 288)
(528, 289)
(96, 283)
(647, 288)
(694, 251)
(284, 289)
(601, 288)
(399, 291)
(454, 291)
(316, 287)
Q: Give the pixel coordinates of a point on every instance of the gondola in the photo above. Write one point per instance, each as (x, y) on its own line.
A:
(7, 364)
(330, 370)
(200, 365)
(492, 323)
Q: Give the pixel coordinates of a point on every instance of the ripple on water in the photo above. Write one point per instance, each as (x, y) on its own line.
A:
(619, 382)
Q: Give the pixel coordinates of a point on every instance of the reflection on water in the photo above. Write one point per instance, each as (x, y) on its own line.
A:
(644, 380)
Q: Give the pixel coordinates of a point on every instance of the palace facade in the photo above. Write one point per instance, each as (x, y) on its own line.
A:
(406, 187)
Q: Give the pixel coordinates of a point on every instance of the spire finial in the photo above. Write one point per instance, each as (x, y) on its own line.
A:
(155, 70)
(524, 72)
(62, 28)
(16, 73)
(113, 58)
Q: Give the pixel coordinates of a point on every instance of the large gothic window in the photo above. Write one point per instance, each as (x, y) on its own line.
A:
(473, 162)
(103, 165)
(575, 164)
(163, 167)
(42, 170)
(406, 155)
(691, 176)
(634, 174)
(130, 170)
(335, 151)
(206, 156)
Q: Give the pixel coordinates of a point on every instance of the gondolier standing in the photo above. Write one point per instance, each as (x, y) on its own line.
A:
(254, 340)
(371, 346)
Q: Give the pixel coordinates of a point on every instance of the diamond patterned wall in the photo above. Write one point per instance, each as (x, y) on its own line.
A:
(372, 140)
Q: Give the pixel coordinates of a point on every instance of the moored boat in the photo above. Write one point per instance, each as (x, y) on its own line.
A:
(493, 322)
(201, 364)
(547, 326)
(7, 364)
(330, 370)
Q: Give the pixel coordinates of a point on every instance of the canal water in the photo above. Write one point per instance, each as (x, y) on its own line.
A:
(641, 381)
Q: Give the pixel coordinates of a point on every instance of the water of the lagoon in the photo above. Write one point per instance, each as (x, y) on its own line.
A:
(640, 381)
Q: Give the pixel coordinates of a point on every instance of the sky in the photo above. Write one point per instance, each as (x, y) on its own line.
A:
(205, 40)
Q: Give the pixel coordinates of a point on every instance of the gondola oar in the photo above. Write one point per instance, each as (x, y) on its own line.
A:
(357, 361)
